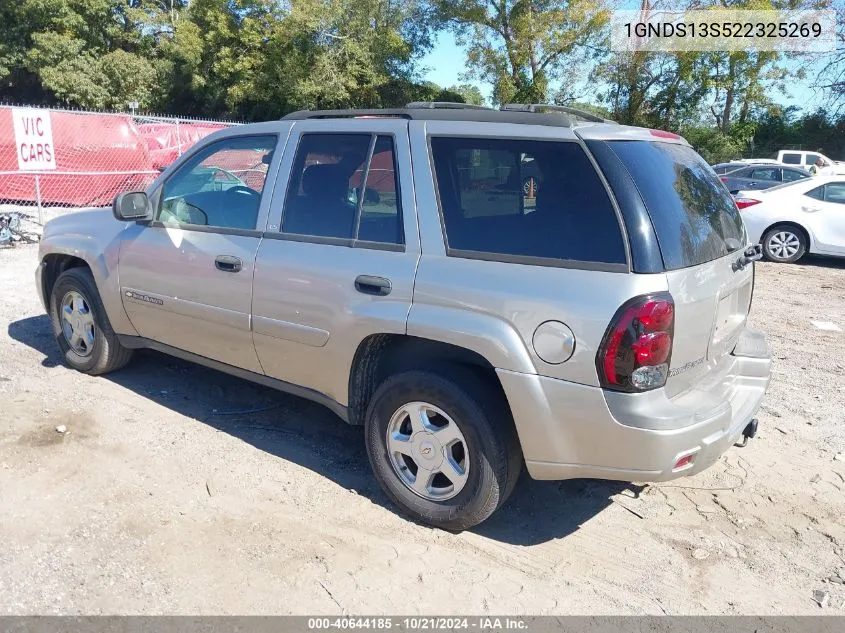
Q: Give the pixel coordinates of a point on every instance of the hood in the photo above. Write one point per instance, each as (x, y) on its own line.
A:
(82, 221)
(87, 226)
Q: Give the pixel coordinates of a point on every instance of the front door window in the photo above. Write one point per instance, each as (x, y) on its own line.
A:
(221, 186)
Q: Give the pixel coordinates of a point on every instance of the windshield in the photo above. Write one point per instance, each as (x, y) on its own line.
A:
(694, 217)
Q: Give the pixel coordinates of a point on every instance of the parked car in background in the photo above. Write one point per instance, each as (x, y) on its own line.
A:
(805, 216)
(761, 177)
(749, 161)
(724, 168)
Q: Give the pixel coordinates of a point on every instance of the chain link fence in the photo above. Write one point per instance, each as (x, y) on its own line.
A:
(53, 160)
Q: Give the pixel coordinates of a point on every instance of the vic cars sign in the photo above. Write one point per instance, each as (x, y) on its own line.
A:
(34, 139)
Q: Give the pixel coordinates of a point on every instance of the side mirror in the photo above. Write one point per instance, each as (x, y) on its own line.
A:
(132, 206)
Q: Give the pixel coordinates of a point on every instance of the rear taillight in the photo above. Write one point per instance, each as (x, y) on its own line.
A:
(723, 179)
(637, 347)
(744, 203)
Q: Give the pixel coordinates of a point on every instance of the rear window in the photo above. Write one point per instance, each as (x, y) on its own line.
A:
(694, 217)
(521, 199)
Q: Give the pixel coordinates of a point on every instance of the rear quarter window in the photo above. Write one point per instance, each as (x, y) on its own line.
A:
(529, 201)
(694, 217)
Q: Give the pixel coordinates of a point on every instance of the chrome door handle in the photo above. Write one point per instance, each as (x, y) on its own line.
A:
(228, 263)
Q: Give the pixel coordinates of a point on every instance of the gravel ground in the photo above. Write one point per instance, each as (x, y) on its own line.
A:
(161, 498)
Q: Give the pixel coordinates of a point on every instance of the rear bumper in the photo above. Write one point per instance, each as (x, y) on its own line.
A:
(568, 430)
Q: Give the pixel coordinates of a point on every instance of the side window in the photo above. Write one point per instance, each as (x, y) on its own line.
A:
(339, 181)
(817, 193)
(524, 198)
(792, 159)
(791, 176)
(489, 182)
(381, 217)
(220, 186)
(810, 159)
(835, 192)
(768, 173)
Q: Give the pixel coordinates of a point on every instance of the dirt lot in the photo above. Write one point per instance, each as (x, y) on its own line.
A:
(159, 500)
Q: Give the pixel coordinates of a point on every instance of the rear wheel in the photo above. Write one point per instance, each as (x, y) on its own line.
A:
(81, 326)
(784, 244)
(442, 448)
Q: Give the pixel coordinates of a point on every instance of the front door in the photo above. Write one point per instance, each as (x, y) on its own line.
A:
(338, 259)
(186, 277)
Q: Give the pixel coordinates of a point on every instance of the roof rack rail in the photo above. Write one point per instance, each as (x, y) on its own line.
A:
(538, 107)
(444, 105)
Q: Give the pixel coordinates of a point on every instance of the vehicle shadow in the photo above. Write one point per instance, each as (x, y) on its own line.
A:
(823, 261)
(311, 436)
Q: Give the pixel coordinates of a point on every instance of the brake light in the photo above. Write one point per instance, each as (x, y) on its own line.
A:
(723, 179)
(664, 134)
(637, 347)
(744, 203)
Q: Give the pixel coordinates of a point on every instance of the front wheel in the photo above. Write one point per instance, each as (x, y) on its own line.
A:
(81, 326)
(784, 244)
(442, 448)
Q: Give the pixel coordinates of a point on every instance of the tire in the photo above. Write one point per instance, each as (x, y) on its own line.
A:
(785, 244)
(106, 353)
(492, 459)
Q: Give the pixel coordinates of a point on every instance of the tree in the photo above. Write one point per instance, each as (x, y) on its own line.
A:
(831, 77)
(652, 89)
(468, 93)
(343, 53)
(519, 46)
(214, 59)
(742, 81)
(87, 53)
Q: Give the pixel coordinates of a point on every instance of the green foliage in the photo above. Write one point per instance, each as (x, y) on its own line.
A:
(259, 59)
(520, 46)
(467, 93)
(241, 58)
(714, 145)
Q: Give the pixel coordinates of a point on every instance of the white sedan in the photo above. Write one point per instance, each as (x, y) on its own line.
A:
(805, 216)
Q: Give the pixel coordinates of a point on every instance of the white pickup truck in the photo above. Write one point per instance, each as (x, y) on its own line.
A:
(808, 159)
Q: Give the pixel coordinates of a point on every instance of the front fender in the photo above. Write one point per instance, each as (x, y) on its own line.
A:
(93, 237)
(491, 337)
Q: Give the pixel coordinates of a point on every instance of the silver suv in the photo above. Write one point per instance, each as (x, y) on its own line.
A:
(394, 266)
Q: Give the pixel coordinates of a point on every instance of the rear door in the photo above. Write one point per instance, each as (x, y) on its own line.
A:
(339, 255)
(701, 237)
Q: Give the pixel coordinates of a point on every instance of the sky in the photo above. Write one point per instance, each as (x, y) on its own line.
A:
(445, 63)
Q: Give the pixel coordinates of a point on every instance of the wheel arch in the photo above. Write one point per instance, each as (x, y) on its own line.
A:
(381, 355)
(61, 253)
(54, 264)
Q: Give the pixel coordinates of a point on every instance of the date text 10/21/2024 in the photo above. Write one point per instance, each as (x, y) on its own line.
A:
(421, 623)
